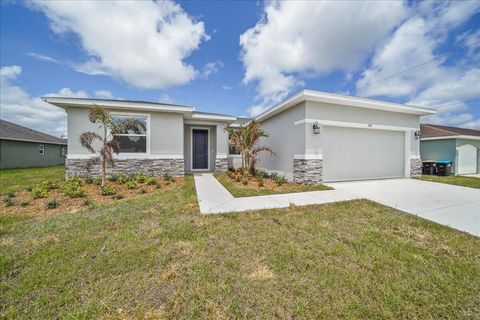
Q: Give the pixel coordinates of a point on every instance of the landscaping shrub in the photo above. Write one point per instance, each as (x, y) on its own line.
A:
(141, 191)
(40, 191)
(118, 196)
(50, 184)
(24, 203)
(274, 176)
(168, 177)
(8, 201)
(244, 181)
(29, 188)
(72, 188)
(87, 202)
(11, 195)
(280, 181)
(140, 178)
(151, 181)
(52, 204)
(131, 185)
(122, 178)
(113, 178)
(260, 180)
(97, 181)
(158, 185)
(107, 190)
(89, 180)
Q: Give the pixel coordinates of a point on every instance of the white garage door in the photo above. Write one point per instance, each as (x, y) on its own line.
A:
(467, 159)
(357, 154)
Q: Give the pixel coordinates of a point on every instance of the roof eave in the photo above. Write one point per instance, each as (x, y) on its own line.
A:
(309, 95)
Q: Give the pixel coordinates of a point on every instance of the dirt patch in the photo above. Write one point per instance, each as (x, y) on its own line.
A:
(25, 204)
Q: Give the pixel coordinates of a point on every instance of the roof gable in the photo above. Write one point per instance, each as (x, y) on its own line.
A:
(13, 131)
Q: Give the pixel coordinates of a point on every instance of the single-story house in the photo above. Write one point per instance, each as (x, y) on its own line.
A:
(316, 136)
(458, 145)
(22, 147)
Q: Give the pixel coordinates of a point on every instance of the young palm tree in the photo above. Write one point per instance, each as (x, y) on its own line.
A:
(245, 140)
(104, 155)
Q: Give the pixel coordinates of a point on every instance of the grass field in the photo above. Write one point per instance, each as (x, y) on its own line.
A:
(237, 189)
(16, 179)
(156, 257)
(470, 182)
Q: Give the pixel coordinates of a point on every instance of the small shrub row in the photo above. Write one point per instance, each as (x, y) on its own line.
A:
(107, 190)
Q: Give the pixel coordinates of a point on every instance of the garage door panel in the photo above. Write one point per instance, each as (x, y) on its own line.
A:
(357, 154)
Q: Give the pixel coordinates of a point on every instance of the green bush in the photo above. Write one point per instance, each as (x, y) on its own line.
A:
(245, 181)
(140, 178)
(72, 188)
(50, 184)
(29, 188)
(131, 185)
(8, 201)
(87, 202)
(113, 178)
(97, 181)
(89, 180)
(52, 204)
(122, 178)
(40, 191)
(24, 203)
(280, 181)
(151, 180)
(168, 177)
(11, 195)
(260, 181)
(157, 185)
(107, 190)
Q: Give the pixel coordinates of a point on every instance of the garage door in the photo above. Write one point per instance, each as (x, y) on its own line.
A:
(357, 154)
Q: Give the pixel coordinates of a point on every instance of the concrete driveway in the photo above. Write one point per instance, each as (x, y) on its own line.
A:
(457, 207)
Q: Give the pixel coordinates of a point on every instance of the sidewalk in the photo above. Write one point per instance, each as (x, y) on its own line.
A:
(214, 198)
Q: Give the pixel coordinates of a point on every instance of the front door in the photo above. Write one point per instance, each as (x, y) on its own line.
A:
(199, 149)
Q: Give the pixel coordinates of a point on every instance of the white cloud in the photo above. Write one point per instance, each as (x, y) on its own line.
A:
(18, 106)
(43, 57)
(410, 65)
(295, 40)
(226, 87)
(142, 43)
(104, 94)
(211, 68)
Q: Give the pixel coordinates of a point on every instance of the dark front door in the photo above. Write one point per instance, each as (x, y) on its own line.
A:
(200, 149)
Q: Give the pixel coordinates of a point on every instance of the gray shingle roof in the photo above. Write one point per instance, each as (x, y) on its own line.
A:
(12, 131)
(432, 130)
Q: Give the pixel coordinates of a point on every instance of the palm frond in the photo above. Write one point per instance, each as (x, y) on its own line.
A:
(87, 138)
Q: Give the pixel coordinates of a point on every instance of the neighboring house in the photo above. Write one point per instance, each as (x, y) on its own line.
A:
(316, 137)
(459, 145)
(23, 147)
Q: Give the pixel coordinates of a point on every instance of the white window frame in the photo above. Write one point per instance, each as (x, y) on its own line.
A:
(63, 152)
(191, 148)
(147, 134)
(41, 149)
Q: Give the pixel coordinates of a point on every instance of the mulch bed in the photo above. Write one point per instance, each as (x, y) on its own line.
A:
(38, 207)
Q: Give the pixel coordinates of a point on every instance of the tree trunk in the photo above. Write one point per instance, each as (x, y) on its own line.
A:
(104, 171)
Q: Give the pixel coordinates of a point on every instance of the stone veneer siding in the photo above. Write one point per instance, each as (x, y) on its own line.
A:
(221, 165)
(307, 171)
(157, 167)
(416, 168)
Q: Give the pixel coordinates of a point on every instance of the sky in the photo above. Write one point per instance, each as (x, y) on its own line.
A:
(238, 57)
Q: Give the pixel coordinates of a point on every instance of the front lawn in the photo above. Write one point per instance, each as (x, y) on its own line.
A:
(470, 182)
(251, 188)
(157, 257)
(16, 179)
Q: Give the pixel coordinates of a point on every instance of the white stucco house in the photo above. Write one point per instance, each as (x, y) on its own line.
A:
(317, 137)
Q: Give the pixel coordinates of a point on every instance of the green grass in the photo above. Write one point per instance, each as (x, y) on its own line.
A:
(156, 257)
(238, 190)
(470, 182)
(17, 179)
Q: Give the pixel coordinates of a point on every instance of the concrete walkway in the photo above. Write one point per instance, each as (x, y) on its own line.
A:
(214, 198)
(454, 206)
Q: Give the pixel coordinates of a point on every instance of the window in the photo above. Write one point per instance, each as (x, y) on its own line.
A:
(231, 149)
(62, 151)
(131, 141)
(41, 149)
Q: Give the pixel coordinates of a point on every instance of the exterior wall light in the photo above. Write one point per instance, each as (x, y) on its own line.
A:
(316, 128)
(418, 134)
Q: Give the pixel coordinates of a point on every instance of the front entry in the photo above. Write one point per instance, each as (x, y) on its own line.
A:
(199, 149)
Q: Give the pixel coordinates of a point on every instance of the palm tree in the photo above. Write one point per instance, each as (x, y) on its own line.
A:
(104, 155)
(245, 139)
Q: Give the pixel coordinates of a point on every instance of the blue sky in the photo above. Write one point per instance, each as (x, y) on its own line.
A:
(239, 57)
